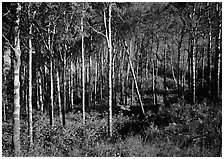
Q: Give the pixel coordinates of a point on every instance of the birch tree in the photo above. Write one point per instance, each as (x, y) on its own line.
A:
(16, 66)
(83, 71)
(30, 77)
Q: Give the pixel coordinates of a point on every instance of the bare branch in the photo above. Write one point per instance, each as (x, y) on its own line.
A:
(25, 46)
(60, 53)
(98, 32)
(105, 22)
(5, 14)
(8, 42)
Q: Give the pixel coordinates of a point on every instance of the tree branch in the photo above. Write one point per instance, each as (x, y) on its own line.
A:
(98, 32)
(25, 46)
(8, 42)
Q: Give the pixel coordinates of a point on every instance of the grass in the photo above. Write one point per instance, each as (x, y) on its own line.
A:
(196, 131)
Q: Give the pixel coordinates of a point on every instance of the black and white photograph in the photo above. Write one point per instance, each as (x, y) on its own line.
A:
(111, 79)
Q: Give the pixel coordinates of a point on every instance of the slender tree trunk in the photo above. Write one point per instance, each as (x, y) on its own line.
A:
(203, 69)
(110, 71)
(87, 74)
(113, 80)
(153, 82)
(193, 70)
(4, 111)
(52, 96)
(23, 95)
(178, 61)
(95, 81)
(220, 66)
(69, 86)
(217, 52)
(77, 79)
(59, 96)
(173, 73)
(101, 78)
(127, 84)
(156, 70)
(122, 80)
(6, 100)
(146, 67)
(40, 91)
(135, 80)
(164, 78)
(23, 86)
(132, 93)
(90, 82)
(72, 86)
(30, 121)
(51, 80)
(45, 85)
(83, 73)
(64, 107)
(183, 75)
(37, 93)
(208, 55)
(189, 64)
(16, 66)
(156, 76)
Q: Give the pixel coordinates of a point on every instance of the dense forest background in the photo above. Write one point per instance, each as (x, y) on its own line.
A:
(111, 79)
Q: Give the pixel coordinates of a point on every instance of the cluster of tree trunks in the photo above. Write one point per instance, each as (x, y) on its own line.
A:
(63, 77)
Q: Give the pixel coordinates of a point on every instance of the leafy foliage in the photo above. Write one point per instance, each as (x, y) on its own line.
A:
(194, 131)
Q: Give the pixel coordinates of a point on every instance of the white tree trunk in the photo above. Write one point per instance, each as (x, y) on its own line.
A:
(110, 73)
(16, 65)
(30, 85)
(83, 74)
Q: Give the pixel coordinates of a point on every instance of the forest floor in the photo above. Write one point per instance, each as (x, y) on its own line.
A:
(196, 131)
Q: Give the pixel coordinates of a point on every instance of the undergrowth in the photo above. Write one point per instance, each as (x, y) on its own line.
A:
(193, 131)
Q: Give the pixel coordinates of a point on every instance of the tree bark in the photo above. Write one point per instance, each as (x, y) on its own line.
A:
(83, 73)
(208, 54)
(217, 52)
(90, 82)
(189, 64)
(37, 92)
(173, 73)
(126, 84)
(30, 121)
(193, 70)
(164, 78)
(156, 70)
(110, 71)
(135, 80)
(153, 83)
(51, 80)
(193, 56)
(101, 78)
(40, 91)
(72, 86)
(122, 79)
(95, 81)
(147, 67)
(178, 61)
(16, 66)
(69, 86)
(202, 70)
(64, 107)
(59, 96)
